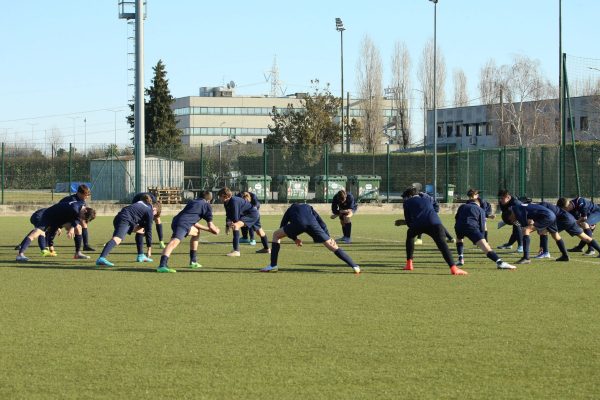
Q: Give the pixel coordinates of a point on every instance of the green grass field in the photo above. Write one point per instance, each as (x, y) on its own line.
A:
(311, 331)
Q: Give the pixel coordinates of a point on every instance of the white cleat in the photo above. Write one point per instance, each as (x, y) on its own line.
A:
(270, 268)
(233, 254)
(505, 265)
(356, 270)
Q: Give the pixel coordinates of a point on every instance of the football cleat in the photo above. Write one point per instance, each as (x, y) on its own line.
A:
(409, 265)
(418, 241)
(356, 270)
(461, 261)
(454, 270)
(270, 268)
(164, 269)
(590, 252)
(162, 244)
(575, 249)
(18, 247)
(81, 256)
(505, 265)
(251, 242)
(520, 249)
(563, 258)
(102, 261)
(21, 258)
(244, 240)
(504, 246)
(88, 248)
(348, 240)
(143, 258)
(233, 253)
(523, 261)
(194, 265)
(543, 255)
(46, 253)
(263, 250)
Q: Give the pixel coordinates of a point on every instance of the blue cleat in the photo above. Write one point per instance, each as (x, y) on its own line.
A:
(143, 258)
(104, 262)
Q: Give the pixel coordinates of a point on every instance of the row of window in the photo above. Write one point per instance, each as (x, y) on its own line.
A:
(229, 132)
(255, 111)
(459, 130)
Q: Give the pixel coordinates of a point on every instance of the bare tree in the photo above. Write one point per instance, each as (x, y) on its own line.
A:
(401, 89)
(461, 98)
(370, 87)
(425, 75)
(488, 81)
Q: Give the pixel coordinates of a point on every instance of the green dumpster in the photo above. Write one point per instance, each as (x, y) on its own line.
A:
(256, 185)
(364, 187)
(327, 186)
(450, 193)
(292, 187)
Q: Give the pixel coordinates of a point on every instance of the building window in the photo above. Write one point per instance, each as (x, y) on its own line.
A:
(583, 124)
(477, 130)
(570, 123)
(489, 131)
(467, 130)
(449, 130)
(439, 131)
(458, 132)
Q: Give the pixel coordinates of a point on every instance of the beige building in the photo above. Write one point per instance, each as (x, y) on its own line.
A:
(216, 116)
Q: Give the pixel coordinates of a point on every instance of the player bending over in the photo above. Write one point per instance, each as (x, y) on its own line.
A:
(186, 224)
(248, 234)
(157, 204)
(344, 206)
(302, 218)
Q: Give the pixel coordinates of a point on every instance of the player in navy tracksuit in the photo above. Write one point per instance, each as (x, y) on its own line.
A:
(51, 219)
(302, 218)
(136, 217)
(82, 194)
(252, 199)
(240, 213)
(473, 194)
(505, 201)
(588, 215)
(421, 218)
(534, 217)
(157, 221)
(343, 206)
(573, 227)
(470, 223)
(186, 223)
(436, 207)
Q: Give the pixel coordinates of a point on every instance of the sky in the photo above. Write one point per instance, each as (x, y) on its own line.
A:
(64, 69)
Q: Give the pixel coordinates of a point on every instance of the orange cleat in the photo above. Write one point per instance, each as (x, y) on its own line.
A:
(409, 265)
(454, 270)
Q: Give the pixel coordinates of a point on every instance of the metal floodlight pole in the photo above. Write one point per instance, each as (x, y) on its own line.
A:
(140, 146)
(434, 97)
(339, 26)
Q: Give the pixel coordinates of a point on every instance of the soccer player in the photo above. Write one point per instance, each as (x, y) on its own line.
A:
(302, 218)
(157, 221)
(136, 217)
(421, 218)
(436, 207)
(532, 217)
(588, 215)
(82, 194)
(186, 223)
(473, 194)
(343, 206)
(568, 223)
(470, 223)
(240, 213)
(505, 201)
(53, 218)
(252, 199)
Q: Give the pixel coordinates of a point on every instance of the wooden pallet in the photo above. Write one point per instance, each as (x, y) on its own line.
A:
(167, 195)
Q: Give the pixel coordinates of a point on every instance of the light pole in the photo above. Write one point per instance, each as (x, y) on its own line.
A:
(339, 26)
(84, 136)
(434, 97)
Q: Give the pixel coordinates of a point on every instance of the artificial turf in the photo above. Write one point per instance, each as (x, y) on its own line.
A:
(311, 331)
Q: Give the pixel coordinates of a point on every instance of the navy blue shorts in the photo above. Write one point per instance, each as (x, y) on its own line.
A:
(252, 221)
(568, 224)
(315, 231)
(180, 231)
(36, 219)
(593, 218)
(474, 235)
(548, 224)
(122, 228)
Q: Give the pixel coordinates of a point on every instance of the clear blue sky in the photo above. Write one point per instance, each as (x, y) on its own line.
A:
(66, 60)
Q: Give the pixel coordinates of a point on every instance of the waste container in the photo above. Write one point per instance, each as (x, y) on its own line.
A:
(292, 187)
(440, 189)
(364, 187)
(327, 186)
(451, 189)
(256, 185)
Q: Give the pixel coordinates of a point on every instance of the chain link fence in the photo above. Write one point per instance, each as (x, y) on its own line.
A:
(29, 173)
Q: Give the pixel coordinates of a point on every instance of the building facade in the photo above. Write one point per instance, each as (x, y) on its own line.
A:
(217, 116)
(527, 123)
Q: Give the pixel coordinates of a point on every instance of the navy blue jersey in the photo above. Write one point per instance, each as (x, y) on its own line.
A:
(486, 207)
(138, 197)
(253, 199)
(337, 205)
(70, 198)
(419, 212)
(138, 214)
(236, 208)
(303, 215)
(512, 202)
(193, 212)
(434, 203)
(583, 207)
(62, 213)
(535, 212)
(470, 216)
